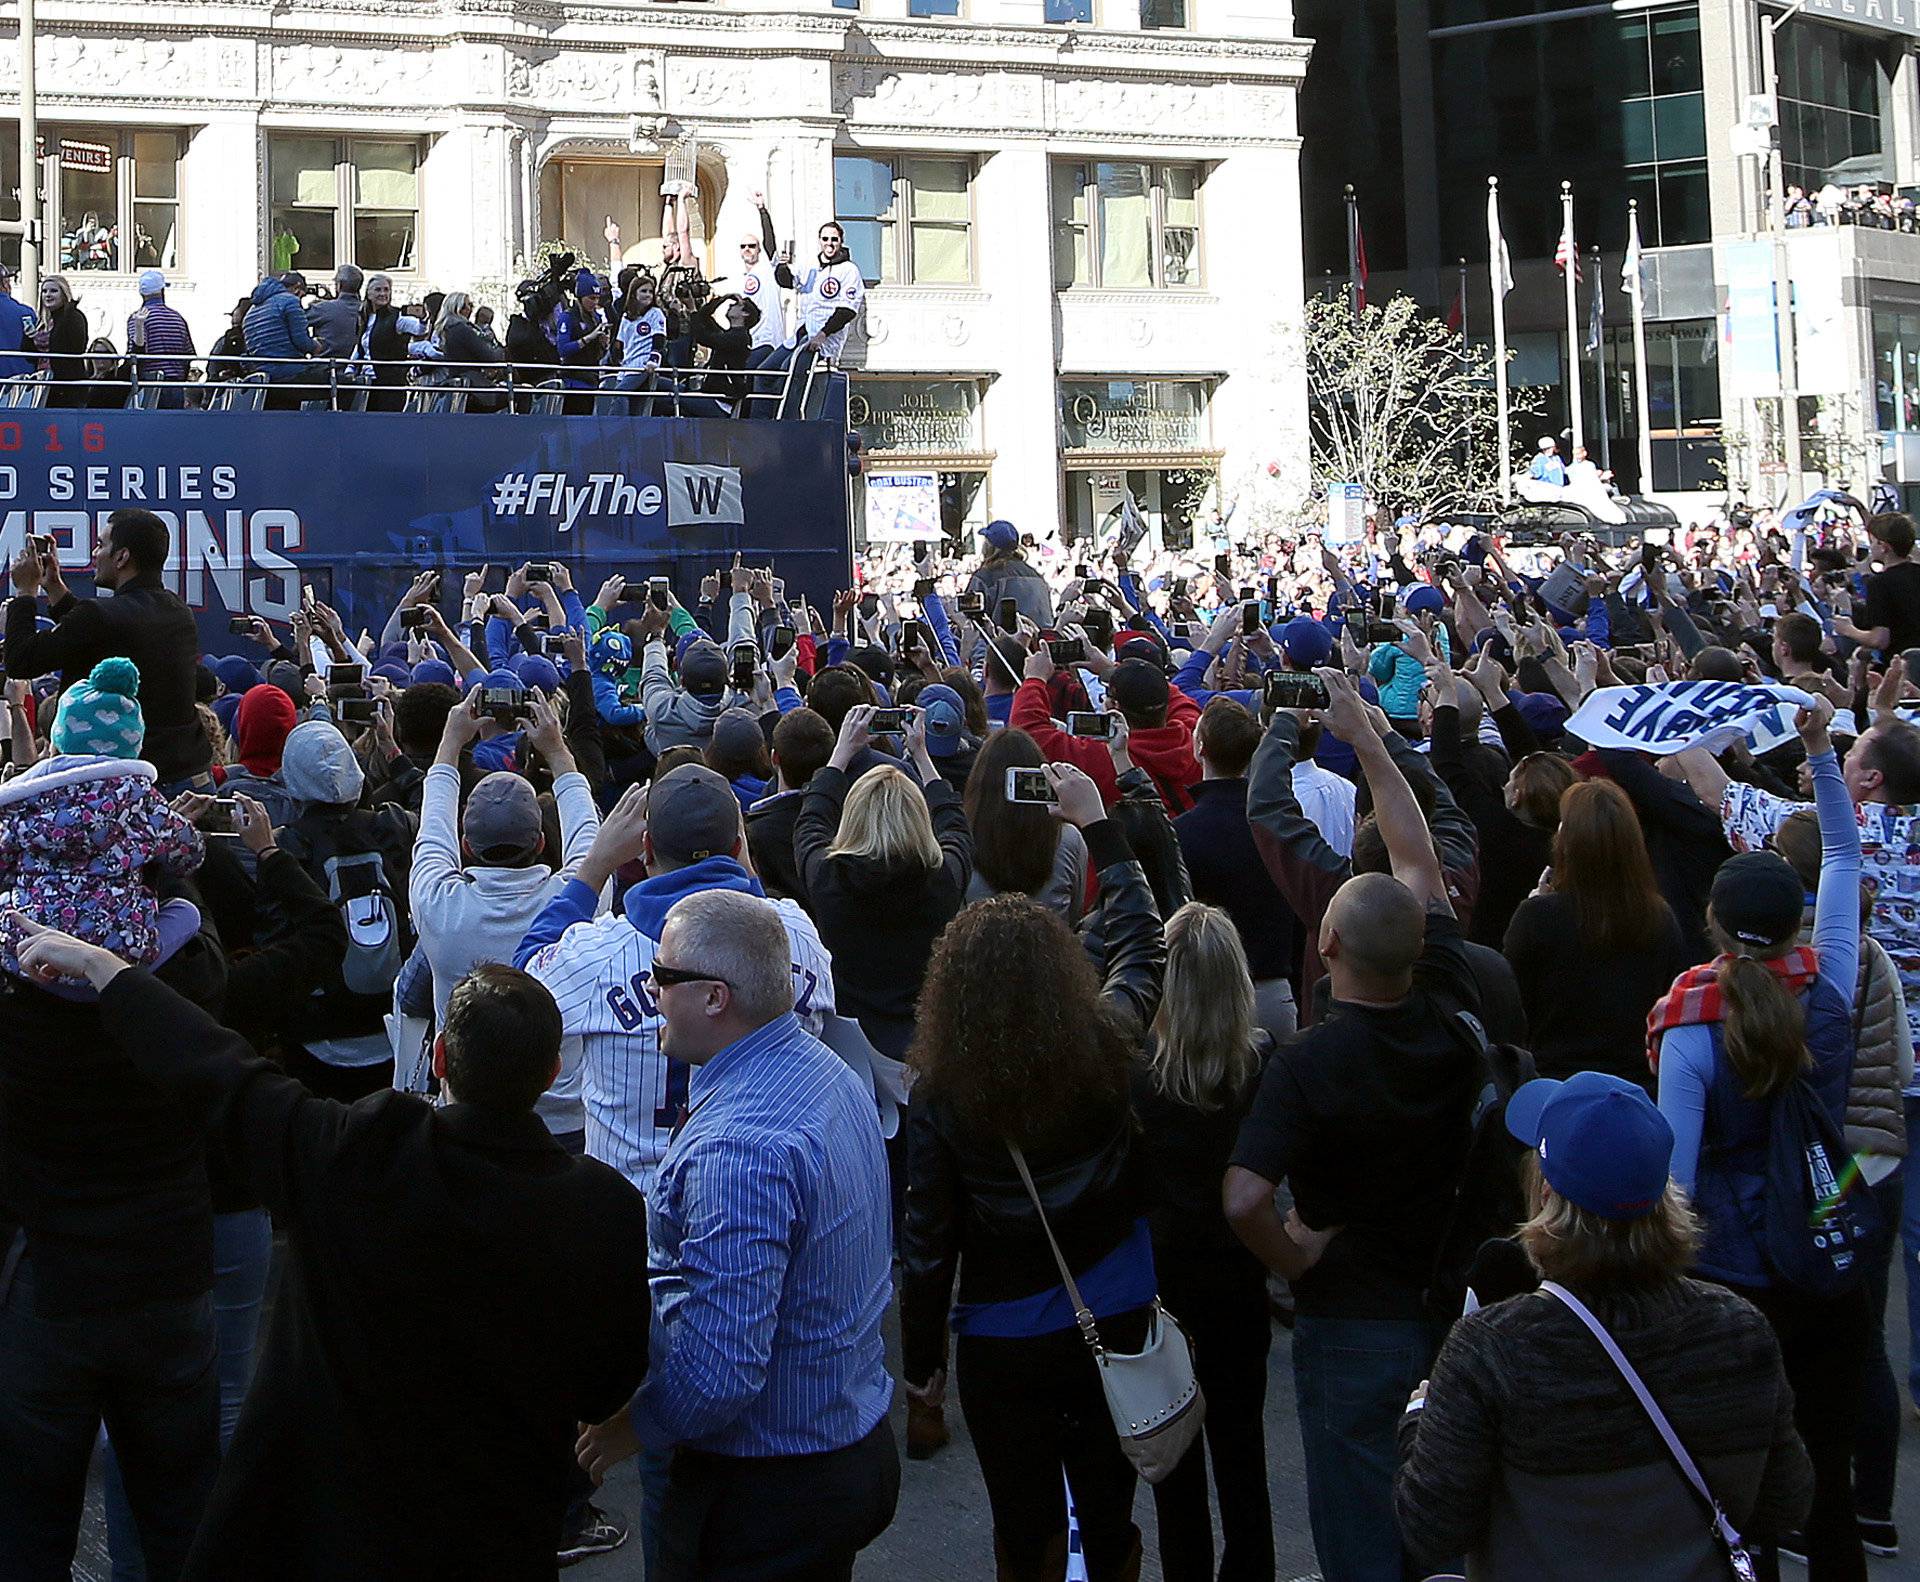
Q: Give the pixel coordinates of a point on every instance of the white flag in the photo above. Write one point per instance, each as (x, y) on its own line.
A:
(1631, 272)
(1502, 262)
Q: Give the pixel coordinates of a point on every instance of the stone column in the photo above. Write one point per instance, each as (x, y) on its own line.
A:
(1021, 412)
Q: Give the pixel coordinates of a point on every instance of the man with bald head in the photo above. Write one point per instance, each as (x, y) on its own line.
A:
(758, 286)
(1367, 1119)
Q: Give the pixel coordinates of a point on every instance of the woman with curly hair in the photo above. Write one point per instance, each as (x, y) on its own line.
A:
(1019, 1043)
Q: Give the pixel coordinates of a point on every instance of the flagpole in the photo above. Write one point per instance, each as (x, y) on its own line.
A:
(1496, 274)
(1571, 271)
(1463, 299)
(1353, 252)
(1643, 404)
(1600, 361)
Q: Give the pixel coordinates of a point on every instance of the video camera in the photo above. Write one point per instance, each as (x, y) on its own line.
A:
(540, 296)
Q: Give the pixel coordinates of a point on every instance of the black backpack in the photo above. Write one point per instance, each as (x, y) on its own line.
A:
(360, 860)
(1819, 1216)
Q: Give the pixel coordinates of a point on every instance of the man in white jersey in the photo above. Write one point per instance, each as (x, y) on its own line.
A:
(688, 832)
(830, 295)
(758, 286)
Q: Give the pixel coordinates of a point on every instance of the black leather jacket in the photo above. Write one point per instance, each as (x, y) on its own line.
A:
(966, 1209)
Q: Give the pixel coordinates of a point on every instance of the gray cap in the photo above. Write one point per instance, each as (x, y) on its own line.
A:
(692, 813)
(502, 818)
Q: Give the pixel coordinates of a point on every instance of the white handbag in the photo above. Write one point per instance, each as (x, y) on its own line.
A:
(1152, 1394)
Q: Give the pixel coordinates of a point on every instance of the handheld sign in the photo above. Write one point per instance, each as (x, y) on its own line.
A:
(1671, 716)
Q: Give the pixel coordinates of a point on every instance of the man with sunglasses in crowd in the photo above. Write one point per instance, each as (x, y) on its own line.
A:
(769, 1238)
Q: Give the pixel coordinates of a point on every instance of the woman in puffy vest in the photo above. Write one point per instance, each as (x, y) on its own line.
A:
(1728, 1040)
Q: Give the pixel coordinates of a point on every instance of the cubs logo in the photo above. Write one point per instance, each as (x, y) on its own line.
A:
(752, 286)
(830, 287)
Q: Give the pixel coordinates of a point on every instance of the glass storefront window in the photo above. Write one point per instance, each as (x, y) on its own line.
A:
(1896, 372)
(926, 416)
(1133, 414)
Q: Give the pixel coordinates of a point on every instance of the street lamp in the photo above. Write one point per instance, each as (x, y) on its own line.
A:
(1770, 85)
(1776, 196)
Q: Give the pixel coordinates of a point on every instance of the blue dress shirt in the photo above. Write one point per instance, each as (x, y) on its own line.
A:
(771, 1253)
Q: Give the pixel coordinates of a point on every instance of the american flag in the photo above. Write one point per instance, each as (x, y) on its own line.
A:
(1567, 254)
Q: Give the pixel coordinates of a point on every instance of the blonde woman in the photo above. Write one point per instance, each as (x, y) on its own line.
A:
(63, 337)
(1203, 1060)
(885, 864)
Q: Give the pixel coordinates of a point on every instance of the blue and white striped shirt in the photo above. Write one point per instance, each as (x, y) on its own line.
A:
(770, 1236)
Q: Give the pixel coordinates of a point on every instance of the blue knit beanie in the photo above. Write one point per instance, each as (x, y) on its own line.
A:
(101, 715)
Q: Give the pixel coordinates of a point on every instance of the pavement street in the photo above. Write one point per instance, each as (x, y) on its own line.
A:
(942, 1532)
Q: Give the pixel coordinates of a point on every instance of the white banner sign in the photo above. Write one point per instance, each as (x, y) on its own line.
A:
(903, 508)
(1346, 513)
(1671, 716)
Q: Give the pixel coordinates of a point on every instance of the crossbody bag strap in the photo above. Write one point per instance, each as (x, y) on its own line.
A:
(1691, 1472)
(1082, 1314)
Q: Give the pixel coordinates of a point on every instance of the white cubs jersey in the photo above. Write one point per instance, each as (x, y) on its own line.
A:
(825, 288)
(634, 1094)
(758, 286)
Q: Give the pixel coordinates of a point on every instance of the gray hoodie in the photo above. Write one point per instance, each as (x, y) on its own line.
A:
(678, 718)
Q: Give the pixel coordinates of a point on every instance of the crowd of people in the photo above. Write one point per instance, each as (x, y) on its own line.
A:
(644, 342)
(1877, 206)
(607, 1014)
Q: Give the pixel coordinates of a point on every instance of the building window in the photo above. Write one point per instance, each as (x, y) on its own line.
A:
(1068, 11)
(1833, 93)
(1896, 372)
(343, 200)
(933, 8)
(110, 196)
(1120, 223)
(909, 220)
(1163, 13)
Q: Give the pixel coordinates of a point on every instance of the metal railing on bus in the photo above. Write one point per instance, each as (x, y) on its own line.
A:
(150, 383)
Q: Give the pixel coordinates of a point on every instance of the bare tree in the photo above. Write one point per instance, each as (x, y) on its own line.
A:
(1404, 406)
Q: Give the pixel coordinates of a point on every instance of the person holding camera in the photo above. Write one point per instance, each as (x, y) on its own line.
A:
(469, 1232)
(144, 621)
(885, 865)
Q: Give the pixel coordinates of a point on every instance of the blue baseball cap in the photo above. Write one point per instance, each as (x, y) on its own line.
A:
(1306, 641)
(1425, 597)
(1601, 1142)
(946, 719)
(1001, 533)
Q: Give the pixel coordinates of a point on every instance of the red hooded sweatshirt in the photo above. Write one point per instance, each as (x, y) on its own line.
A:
(260, 729)
(1164, 751)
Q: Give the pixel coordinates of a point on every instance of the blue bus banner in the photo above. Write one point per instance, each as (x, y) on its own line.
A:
(355, 505)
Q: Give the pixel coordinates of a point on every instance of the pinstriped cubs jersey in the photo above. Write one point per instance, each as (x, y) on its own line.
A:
(633, 1093)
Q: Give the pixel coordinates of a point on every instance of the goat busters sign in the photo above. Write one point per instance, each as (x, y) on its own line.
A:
(1671, 716)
